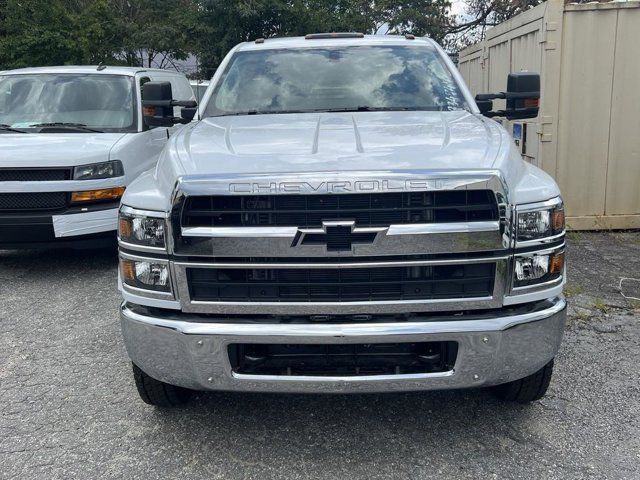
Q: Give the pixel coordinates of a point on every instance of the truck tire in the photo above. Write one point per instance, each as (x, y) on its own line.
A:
(526, 389)
(157, 393)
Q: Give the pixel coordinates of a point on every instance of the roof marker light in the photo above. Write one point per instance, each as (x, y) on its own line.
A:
(320, 36)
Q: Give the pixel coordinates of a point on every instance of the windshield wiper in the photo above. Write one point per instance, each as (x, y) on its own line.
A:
(261, 112)
(361, 108)
(8, 128)
(365, 108)
(76, 126)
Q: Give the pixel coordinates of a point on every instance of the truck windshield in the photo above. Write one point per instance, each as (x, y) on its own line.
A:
(365, 78)
(99, 102)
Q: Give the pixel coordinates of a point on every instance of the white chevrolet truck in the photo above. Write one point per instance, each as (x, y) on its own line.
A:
(343, 217)
(72, 138)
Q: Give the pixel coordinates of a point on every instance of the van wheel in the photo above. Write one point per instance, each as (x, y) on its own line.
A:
(526, 389)
(157, 393)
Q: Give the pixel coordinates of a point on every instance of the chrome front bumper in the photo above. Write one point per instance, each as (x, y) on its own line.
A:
(492, 349)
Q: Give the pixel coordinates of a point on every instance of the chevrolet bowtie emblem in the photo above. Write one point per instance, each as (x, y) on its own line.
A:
(337, 235)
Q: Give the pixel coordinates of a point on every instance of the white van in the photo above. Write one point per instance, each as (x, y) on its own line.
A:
(71, 139)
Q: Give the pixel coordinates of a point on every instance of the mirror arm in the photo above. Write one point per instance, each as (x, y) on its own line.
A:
(170, 103)
(489, 96)
(507, 95)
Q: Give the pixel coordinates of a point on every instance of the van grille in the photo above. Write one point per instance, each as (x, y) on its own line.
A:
(370, 209)
(33, 201)
(34, 174)
(344, 284)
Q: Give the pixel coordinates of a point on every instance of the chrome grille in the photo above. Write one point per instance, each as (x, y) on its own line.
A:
(250, 246)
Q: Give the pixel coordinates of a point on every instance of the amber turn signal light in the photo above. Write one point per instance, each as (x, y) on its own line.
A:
(97, 195)
(557, 220)
(127, 270)
(556, 263)
(124, 227)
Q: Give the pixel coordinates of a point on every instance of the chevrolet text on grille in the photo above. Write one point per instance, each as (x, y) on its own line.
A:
(363, 186)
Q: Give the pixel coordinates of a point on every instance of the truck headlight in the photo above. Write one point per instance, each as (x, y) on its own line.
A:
(536, 224)
(535, 269)
(95, 171)
(145, 274)
(139, 229)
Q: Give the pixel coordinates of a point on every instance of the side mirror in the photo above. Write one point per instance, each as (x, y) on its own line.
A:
(522, 96)
(187, 113)
(158, 103)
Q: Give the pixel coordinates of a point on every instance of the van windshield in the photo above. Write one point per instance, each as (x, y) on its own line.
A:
(100, 102)
(362, 78)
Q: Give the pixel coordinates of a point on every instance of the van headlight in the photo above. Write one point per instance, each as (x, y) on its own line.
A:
(140, 229)
(145, 274)
(537, 224)
(95, 171)
(535, 268)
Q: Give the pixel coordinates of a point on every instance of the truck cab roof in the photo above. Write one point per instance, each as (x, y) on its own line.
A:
(319, 40)
(85, 69)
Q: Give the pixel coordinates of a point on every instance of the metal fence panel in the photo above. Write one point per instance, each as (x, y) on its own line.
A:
(586, 135)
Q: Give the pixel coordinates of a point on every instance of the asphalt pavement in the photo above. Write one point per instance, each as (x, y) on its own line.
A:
(69, 408)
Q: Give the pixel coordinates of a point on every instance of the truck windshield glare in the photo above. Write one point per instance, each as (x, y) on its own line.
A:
(366, 78)
(77, 102)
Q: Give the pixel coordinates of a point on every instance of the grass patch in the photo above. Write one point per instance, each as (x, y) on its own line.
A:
(600, 305)
(574, 235)
(581, 316)
(572, 289)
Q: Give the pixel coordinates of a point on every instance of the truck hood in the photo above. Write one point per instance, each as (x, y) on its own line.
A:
(326, 146)
(362, 141)
(55, 149)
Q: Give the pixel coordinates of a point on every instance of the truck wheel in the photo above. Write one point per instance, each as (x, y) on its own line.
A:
(157, 393)
(526, 389)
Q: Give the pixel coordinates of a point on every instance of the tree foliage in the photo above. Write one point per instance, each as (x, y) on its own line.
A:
(160, 32)
(483, 14)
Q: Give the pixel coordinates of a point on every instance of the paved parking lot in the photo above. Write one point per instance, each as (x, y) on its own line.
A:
(70, 410)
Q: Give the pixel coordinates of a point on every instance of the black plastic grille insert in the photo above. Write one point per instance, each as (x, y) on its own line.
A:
(343, 359)
(34, 174)
(367, 209)
(349, 284)
(33, 201)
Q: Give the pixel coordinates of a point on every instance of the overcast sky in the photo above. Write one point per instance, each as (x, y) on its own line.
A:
(457, 7)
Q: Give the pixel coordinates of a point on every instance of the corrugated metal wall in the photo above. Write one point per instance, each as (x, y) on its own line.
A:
(588, 132)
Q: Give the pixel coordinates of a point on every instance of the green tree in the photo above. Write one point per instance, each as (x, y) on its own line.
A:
(159, 32)
(156, 32)
(37, 32)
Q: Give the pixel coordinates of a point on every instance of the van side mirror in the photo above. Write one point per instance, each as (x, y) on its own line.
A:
(158, 103)
(522, 96)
